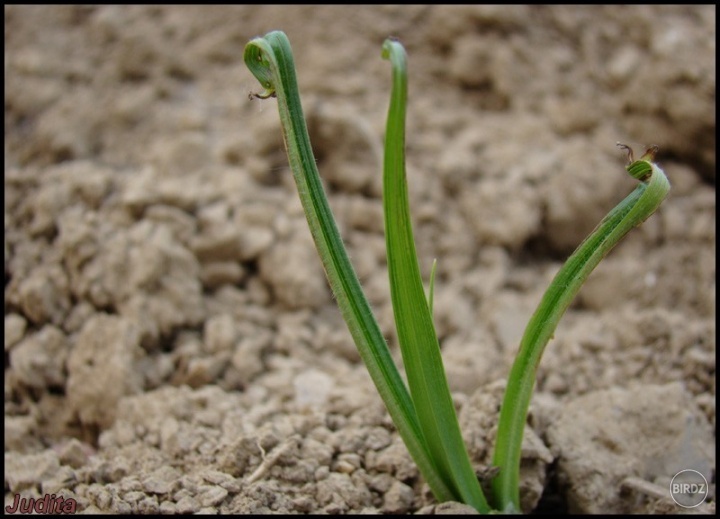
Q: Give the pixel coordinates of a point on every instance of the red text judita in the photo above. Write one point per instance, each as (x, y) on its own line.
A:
(50, 504)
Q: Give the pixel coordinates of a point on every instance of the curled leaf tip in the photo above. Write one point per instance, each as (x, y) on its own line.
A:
(642, 168)
(392, 46)
(258, 58)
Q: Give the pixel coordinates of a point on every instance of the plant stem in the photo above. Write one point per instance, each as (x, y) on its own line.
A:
(631, 212)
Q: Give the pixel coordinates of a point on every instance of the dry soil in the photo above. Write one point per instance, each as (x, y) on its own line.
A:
(171, 344)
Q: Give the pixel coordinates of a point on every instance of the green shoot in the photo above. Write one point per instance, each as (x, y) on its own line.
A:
(424, 416)
(629, 213)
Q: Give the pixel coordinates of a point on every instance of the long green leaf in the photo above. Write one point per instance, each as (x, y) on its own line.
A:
(629, 213)
(413, 319)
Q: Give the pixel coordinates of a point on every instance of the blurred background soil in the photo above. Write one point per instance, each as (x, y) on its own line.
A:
(171, 344)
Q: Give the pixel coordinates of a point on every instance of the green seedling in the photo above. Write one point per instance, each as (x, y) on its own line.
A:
(424, 415)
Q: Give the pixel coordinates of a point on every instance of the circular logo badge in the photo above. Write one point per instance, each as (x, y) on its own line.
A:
(688, 488)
